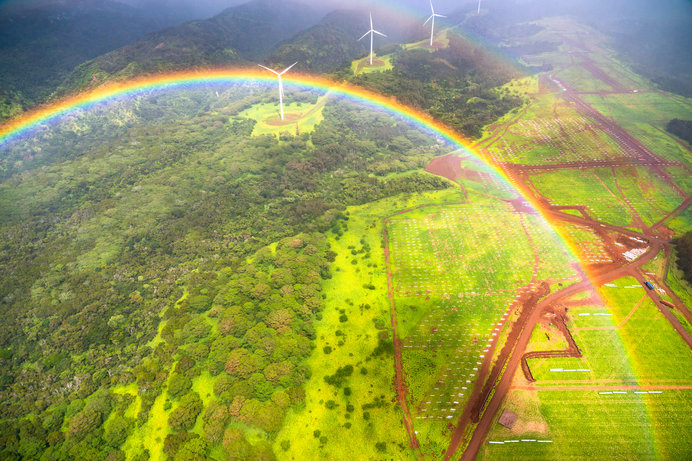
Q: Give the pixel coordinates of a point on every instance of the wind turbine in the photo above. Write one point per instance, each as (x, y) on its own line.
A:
(281, 84)
(479, 7)
(432, 16)
(372, 33)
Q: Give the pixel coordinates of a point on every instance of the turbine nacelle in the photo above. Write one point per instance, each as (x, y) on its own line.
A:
(372, 33)
(281, 84)
(432, 17)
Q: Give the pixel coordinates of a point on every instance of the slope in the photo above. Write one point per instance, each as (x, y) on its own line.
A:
(245, 32)
(41, 44)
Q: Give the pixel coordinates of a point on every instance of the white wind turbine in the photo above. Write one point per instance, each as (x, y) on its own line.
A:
(281, 84)
(372, 33)
(479, 7)
(432, 16)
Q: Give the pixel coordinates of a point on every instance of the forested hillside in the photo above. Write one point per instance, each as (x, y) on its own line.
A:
(41, 44)
(169, 269)
(333, 43)
(457, 85)
(237, 36)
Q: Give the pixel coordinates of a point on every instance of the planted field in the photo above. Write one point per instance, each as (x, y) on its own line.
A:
(627, 340)
(456, 272)
(564, 425)
(590, 247)
(585, 187)
(357, 409)
(554, 132)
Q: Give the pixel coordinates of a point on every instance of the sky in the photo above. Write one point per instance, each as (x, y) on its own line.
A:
(198, 9)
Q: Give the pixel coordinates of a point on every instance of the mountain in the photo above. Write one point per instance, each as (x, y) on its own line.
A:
(41, 43)
(333, 42)
(243, 33)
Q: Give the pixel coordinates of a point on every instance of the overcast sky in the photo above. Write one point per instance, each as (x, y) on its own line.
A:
(208, 8)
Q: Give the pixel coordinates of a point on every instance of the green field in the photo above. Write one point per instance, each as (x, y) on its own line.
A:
(299, 117)
(366, 416)
(456, 272)
(379, 64)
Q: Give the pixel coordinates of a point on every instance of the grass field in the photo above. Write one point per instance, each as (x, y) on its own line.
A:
(573, 425)
(379, 64)
(627, 341)
(585, 187)
(298, 117)
(357, 291)
(456, 271)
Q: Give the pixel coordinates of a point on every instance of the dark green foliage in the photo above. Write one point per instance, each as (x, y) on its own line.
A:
(330, 404)
(384, 346)
(681, 129)
(178, 385)
(456, 85)
(381, 447)
(237, 35)
(117, 430)
(41, 44)
(81, 313)
(683, 246)
(185, 414)
(340, 376)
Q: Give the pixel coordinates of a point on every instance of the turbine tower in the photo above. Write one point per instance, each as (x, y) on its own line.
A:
(432, 16)
(281, 85)
(479, 7)
(372, 33)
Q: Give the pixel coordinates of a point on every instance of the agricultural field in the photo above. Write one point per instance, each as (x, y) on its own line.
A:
(355, 332)
(549, 132)
(635, 375)
(456, 273)
(590, 247)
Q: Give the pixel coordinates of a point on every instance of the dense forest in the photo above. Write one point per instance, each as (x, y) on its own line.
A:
(174, 254)
(41, 42)
(681, 129)
(235, 37)
(683, 246)
(457, 85)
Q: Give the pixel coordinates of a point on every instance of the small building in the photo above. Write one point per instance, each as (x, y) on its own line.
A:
(507, 419)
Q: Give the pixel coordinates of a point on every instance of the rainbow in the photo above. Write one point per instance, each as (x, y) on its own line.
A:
(26, 122)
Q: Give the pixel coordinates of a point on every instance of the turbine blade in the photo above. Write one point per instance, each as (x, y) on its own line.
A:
(440, 16)
(432, 8)
(379, 33)
(371, 20)
(288, 68)
(364, 35)
(270, 70)
(427, 20)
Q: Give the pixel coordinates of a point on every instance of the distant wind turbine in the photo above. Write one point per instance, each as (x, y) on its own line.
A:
(479, 7)
(281, 84)
(372, 33)
(432, 16)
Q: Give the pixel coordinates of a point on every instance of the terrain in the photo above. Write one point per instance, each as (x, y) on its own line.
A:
(186, 276)
(41, 43)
